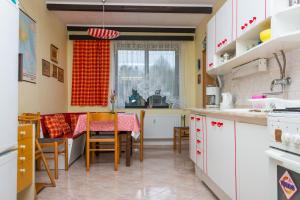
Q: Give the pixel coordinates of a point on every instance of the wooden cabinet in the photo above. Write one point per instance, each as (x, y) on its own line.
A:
(252, 163)
(225, 25)
(192, 143)
(249, 14)
(25, 157)
(211, 41)
(221, 154)
(200, 142)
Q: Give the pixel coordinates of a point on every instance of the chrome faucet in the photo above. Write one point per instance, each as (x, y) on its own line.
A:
(283, 81)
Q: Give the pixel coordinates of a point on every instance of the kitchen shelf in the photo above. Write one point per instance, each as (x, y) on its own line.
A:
(265, 50)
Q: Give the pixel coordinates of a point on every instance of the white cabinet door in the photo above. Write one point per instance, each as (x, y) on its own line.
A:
(200, 142)
(192, 145)
(211, 41)
(249, 13)
(221, 154)
(252, 163)
(225, 25)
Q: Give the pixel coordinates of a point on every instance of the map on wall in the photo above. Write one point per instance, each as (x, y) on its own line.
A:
(27, 46)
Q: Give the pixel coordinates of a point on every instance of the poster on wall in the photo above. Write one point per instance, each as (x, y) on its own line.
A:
(27, 48)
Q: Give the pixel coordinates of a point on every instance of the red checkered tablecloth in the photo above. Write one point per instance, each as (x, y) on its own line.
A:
(126, 122)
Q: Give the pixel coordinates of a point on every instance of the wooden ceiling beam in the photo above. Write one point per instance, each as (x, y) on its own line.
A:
(131, 8)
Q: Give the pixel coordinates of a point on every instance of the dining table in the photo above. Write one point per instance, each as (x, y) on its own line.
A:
(128, 123)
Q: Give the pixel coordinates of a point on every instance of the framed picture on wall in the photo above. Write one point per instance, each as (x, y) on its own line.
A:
(60, 74)
(54, 71)
(54, 53)
(45, 68)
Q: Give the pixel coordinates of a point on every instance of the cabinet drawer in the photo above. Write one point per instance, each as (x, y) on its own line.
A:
(24, 132)
(24, 174)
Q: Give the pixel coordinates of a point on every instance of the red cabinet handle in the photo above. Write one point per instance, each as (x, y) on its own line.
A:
(242, 27)
(198, 119)
(254, 18)
(198, 141)
(250, 21)
(198, 130)
(245, 24)
(192, 118)
(213, 123)
(220, 124)
(211, 64)
(198, 152)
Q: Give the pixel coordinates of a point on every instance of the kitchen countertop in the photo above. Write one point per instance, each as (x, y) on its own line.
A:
(236, 114)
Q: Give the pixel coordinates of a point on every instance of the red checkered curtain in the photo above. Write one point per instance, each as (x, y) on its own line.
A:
(90, 77)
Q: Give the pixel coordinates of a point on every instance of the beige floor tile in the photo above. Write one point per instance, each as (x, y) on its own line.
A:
(164, 175)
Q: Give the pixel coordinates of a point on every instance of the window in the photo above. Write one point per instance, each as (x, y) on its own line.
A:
(147, 74)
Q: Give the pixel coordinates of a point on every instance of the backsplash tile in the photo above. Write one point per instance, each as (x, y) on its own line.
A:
(243, 88)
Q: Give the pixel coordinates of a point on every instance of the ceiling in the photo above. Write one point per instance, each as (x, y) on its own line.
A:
(133, 18)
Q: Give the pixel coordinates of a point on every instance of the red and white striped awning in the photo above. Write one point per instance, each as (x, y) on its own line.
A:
(103, 33)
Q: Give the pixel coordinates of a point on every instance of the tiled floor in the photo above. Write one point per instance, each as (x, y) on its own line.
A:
(163, 175)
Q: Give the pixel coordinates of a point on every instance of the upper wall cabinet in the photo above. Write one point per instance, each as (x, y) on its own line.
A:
(211, 41)
(225, 24)
(249, 13)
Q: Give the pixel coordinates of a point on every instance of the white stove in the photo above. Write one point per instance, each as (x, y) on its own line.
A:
(284, 153)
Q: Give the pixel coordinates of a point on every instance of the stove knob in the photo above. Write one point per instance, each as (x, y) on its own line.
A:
(286, 138)
(296, 139)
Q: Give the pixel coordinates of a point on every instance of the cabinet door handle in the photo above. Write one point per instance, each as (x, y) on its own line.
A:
(198, 152)
(213, 123)
(254, 18)
(220, 124)
(198, 141)
(242, 27)
(192, 118)
(198, 130)
(198, 119)
(250, 21)
(245, 24)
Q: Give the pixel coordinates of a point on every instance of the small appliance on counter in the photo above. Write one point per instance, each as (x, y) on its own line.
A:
(227, 102)
(212, 97)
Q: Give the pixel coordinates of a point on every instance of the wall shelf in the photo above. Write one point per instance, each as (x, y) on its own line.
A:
(285, 27)
(264, 50)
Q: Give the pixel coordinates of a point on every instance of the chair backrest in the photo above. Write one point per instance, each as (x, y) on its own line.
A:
(32, 118)
(142, 118)
(102, 117)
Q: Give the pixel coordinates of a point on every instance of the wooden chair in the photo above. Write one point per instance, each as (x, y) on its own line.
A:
(92, 140)
(50, 143)
(181, 133)
(39, 155)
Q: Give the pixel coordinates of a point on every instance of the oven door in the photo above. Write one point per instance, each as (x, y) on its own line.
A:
(285, 175)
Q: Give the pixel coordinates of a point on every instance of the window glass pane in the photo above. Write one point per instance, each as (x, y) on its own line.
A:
(163, 74)
(131, 73)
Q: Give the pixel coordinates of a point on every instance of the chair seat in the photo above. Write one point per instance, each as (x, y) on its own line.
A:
(50, 140)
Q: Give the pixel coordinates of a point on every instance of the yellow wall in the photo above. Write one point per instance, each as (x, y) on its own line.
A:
(48, 95)
(200, 34)
(188, 87)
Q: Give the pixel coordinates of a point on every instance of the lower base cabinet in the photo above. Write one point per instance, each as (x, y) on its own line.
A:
(252, 163)
(221, 154)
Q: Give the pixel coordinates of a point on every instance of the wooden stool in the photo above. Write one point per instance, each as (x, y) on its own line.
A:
(181, 133)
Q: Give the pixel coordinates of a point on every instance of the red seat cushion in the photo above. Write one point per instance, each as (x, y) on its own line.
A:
(64, 126)
(53, 126)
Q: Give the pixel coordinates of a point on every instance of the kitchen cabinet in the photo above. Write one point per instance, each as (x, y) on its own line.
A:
(220, 138)
(192, 142)
(225, 25)
(200, 142)
(249, 14)
(211, 41)
(252, 163)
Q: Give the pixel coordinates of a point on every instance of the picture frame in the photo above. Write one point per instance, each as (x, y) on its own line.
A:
(199, 79)
(54, 71)
(60, 74)
(54, 53)
(46, 68)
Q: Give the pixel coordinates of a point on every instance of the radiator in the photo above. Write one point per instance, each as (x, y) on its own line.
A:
(160, 126)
